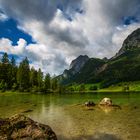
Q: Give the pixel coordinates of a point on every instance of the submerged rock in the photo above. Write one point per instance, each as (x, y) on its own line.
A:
(24, 128)
(89, 104)
(106, 102)
(27, 111)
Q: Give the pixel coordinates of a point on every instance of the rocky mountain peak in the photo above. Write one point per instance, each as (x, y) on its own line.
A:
(78, 63)
(132, 42)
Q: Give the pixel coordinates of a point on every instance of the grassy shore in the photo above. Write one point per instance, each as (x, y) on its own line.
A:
(8, 93)
(133, 86)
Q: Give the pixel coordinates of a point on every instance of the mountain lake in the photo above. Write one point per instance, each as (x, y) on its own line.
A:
(71, 120)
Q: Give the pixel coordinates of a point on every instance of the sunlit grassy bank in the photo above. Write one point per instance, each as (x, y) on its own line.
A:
(120, 87)
(132, 86)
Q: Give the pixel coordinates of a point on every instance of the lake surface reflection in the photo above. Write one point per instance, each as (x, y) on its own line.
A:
(70, 120)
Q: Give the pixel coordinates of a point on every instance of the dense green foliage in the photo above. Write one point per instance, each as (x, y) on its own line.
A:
(47, 82)
(87, 72)
(124, 68)
(24, 78)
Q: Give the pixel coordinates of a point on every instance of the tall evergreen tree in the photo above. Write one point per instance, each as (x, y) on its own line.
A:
(40, 79)
(23, 75)
(5, 59)
(47, 82)
(54, 84)
(33, 77)
(13, 62)
(5, 70)
(13, 73)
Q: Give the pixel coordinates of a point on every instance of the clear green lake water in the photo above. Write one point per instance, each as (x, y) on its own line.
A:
(71, 120)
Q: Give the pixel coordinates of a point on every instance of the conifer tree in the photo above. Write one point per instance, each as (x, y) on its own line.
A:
(13, 72)
(5, 59)
(47, 83)
(5, 70)
(23, 75)
(54, 84)
(40, 80)
(33, 78)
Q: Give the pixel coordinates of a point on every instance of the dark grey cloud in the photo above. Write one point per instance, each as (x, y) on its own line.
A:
(29, 9)
(38, 9)
(56, 64)
(72, 37)
(116, 10)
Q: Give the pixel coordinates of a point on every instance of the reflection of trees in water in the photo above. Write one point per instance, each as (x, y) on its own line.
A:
(97, 136)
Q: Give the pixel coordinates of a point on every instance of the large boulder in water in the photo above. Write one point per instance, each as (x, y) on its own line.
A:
(106, 102)
(20, 127)
(106, 105)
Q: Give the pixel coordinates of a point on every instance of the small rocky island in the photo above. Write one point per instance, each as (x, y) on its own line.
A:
(105, 104)
(20, 127)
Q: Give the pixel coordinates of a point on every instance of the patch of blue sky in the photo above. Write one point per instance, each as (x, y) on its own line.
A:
(130, 20)
(8, 29)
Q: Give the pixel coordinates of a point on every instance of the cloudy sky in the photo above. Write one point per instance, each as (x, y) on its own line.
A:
(51, 33)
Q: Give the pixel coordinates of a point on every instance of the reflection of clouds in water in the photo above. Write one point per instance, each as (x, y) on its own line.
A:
(97, 136)
(61, 121)
(104, 136)
(56, 117)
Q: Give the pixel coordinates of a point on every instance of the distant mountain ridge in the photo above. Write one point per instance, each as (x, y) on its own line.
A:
(124, 66)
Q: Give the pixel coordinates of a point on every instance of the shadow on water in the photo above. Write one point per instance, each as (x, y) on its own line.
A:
(98, 136)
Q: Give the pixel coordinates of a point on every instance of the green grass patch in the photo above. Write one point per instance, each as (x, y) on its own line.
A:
(120, 87)
(133, 86)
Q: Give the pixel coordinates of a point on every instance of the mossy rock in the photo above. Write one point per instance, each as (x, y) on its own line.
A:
(21, 127)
